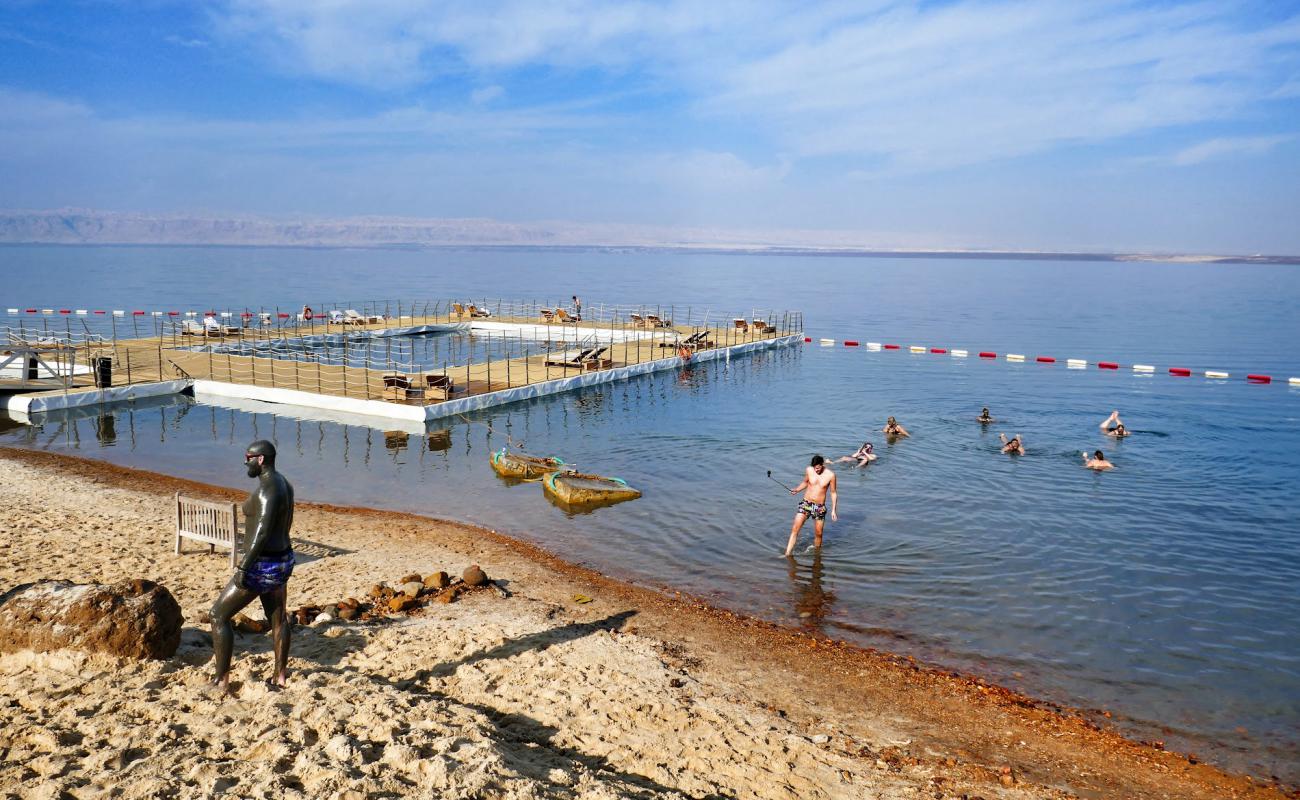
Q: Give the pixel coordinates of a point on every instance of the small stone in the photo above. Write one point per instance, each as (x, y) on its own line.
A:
(402, 602)
(474, 576)
(323, 618)
(245, 624)
(414, 576)
(412, 588)
(377, 590)
(349, 613)
(820, 738)
(351, 602)
(437, 580)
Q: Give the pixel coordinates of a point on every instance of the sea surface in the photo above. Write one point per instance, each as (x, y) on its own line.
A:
(1165, 592)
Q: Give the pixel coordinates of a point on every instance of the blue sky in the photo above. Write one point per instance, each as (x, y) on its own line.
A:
(1070, 125)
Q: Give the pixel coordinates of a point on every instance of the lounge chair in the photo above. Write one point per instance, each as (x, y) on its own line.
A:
(398, 389)
(761, 326)
(213, 328)
(563, 316)
(335, 317)
(475, 311)
(637, 320)
(439, 385)
(458, 309)
(354, 317)
(589, 359)
(696, 341)
(190, 327)
(740, 324)
(548, 315)
(653, 321)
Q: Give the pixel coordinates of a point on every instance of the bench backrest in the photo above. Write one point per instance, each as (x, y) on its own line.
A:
(207, 522)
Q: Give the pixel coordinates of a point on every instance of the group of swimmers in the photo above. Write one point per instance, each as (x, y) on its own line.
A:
(819, 481)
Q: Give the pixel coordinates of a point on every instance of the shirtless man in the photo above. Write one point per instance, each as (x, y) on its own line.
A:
(984, 418)
(818, 480)
(892, 428)
(1117, 430)
(1097, 462)
(1013, 446)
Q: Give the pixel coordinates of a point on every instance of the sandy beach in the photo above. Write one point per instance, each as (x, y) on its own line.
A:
(634, 694)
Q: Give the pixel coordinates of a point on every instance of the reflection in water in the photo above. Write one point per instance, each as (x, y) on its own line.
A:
(811, 602)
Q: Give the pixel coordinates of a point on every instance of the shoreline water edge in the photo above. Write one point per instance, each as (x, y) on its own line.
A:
(575, 684)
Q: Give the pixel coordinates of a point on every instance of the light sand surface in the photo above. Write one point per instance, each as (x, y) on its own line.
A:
(530, 696)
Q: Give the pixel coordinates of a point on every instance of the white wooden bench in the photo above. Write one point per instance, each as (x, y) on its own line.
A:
(214, 524)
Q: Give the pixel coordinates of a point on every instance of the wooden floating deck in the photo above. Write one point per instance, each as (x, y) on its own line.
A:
(161, 361)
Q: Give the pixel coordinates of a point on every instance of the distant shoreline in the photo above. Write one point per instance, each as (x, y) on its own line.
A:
(73, 227)
(710, 250)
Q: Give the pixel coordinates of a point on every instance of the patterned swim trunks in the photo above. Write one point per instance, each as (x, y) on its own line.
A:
(814, 510)
(269, 574)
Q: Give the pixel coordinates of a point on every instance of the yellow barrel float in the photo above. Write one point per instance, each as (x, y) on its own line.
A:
(520, 466)
(577, 489)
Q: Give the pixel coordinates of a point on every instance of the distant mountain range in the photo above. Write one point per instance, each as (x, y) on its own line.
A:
(89, 227)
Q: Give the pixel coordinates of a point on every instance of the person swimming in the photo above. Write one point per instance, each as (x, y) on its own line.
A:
(1117, 429)
(1013, 446)
(892, 428)
(1097, 462)
(984, 417)
(864, 456)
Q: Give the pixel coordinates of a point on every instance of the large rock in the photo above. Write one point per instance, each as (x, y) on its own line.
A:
(132, 619)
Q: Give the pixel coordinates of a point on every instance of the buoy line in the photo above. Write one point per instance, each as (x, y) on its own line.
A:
(1071, 363)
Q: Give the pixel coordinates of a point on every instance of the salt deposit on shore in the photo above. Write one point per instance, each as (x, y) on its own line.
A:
(531, 695)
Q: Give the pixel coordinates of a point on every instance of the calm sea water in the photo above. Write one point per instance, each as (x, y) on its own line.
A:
(1164, 591)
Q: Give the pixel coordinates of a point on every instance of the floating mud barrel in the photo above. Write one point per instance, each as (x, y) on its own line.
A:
(577, 489)
(517, 465)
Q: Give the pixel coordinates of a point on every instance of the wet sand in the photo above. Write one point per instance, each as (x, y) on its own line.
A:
(635, 694)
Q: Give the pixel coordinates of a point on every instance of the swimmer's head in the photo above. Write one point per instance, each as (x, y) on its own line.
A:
(1097, 455)
(890, 421)
(1120, 428)
(984, 412)
(817, 462)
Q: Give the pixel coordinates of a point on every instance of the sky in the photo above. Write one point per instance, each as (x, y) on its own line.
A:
(1059, 125)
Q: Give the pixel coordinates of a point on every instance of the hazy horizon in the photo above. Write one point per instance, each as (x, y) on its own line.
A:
(1050, 126)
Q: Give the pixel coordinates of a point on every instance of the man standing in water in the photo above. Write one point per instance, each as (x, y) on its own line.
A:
(264, 572)
(818, 480)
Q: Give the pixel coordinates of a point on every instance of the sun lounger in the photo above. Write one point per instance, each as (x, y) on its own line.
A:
(439, 386)
(696, 341)
(213, 328)
(335, 317)
(589, 359)
(190, 327)
(740, 324)
(637, 320)
(761, 326)
(353, 317)
(548, 315)
(563, 316)
(653, 321)
(475, 311)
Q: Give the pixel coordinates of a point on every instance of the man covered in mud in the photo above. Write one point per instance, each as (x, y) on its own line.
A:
(265, 569)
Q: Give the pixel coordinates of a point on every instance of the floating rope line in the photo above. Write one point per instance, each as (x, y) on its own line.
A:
(1071, 363)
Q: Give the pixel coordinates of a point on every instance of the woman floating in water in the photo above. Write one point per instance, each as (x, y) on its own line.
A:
(893, 429)
(1117, 429)
(1013, 446)
(864, 456)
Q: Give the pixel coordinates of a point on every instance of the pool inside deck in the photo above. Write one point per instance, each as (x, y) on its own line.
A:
(162, 360)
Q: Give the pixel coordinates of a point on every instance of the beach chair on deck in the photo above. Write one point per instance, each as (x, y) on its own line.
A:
(597, 360)
(211, 327)
(354, 317)
(570, 358)
(563, 316)
(761, 326)
(398, 389)
(458, 310)
(440, 386)
(475, 311)
(190, 327)
(548, 315)
(654, 321)
(335, 317)
(740, 324)
(637, 320)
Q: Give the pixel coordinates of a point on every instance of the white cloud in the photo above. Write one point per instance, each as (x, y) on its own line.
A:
(1219, 148)
(485, 95)
(903, 84)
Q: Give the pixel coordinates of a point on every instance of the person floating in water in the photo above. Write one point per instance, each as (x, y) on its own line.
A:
(984, 418)
(865, 455)
(1097, 462)
(893, 429)
(264, 572)
(818, 480)
(1013, 446)
(1113, 426)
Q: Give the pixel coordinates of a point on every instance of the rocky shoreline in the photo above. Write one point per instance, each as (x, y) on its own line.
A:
(560, 682)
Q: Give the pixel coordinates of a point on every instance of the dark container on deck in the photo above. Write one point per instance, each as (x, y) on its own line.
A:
(103, 367)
